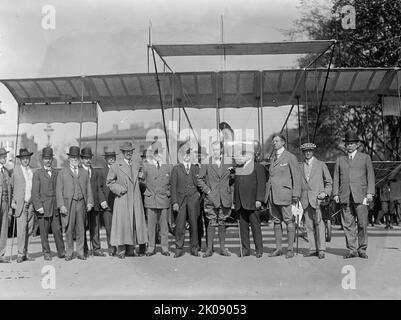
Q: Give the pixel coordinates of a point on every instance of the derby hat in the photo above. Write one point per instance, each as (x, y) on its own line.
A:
(351, 137)
(127, 146)
(308, 146)
(47, 152)
(86, 152)
(109, 154)
(23, 152)
(74, 151)
(3, 152)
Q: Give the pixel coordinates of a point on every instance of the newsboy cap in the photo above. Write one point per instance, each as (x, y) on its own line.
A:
(308, 146)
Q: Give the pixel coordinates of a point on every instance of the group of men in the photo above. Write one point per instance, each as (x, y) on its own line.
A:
(136, 200)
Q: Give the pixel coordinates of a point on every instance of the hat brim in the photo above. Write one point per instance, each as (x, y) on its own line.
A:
(351, 140)
(127, 149)
(25, 155)
(73, 155)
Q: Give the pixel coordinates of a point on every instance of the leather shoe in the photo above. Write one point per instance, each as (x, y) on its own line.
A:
(207, 254)
(350, 255)
(290, 254)
(99, 253)
(68, 258)
(259, 255)
(321, 255)
(276, 253)
(310, 254)
(28, 258)
(149, 254)
(61, 256)
(121, 255)
(246, 253)
(20, 259)
(225, 252)
(178, 254)
(195, 253)
(81, 257)
(166, 253)
(112, 253)
(362, 255)
(5, 260)
(47, 257)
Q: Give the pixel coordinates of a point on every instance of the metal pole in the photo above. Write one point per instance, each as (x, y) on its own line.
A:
(299, 123)
(307, 112)
(258, 110)
(382, 118)
(261, 115)
(80, 122)
(97, 131)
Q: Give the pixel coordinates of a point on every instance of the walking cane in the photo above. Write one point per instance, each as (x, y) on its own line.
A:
(297, 233)
(12, 241)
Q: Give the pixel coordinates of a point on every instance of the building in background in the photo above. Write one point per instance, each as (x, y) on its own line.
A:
(8, 141)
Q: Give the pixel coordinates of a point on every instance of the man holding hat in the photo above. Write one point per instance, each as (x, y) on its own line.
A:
(45, 204)
(92, 222)
(21, 184)
(5, 203)
(185, 198)
(316, 187)
(128, 227)
(74, 198)
(106, 198)
(354, 187)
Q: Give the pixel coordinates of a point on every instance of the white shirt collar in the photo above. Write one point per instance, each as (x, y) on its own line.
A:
(1, 165)
(280, 151)
(85, 167)
(309, 162)
(126, 161)
(352, 154)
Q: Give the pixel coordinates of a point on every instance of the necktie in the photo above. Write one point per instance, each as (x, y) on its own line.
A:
(76, 171)
(158, 164)
(49, 172)
(350, 157)
(187, 168)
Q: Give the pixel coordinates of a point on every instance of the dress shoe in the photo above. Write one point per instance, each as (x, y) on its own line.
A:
(47, 257)
(276, 253)
(259, 255)
(121, 255)
(166, 253)
(99, 253)
(195, 253)
(81, 257)
(321, 255)
(149, 254)
(207, 254)
(4, 260)
(246, 253)
(139, 254)
(20, 259)
(68, 258)
(28, 258)
(112, 252)
(178, 253)
(225, 252)
(350, 255)
(61, 256)
(290, 254)
(311, 254)
(362, 255)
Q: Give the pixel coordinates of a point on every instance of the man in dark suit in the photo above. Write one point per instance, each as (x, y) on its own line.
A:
(92, 218)
(74, 198)
(316, 186)
(283, 190)
(354, 187)
(215, 181)
(185, 199)
(45, 204)
(106, 199)
(5, 204)
(249, 192)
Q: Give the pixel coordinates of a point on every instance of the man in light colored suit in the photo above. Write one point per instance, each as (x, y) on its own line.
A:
(283, 190)
(74, 198)
(5, 203)
(22, 204)
(354, 187)
(316, 186)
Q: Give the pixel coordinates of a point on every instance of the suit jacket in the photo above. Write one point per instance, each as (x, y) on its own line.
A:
(395, 187)
(103, 191)
(219, 182)
(65, 190)
(319, 181)
(157, 181)
(18, 186)
(44, 192)
(284, 180)
(94, 186)
(250, 188)
(180, 189)
(354, 177)
(5, 176)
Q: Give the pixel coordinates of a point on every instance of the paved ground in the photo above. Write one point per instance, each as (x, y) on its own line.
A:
(218, 277)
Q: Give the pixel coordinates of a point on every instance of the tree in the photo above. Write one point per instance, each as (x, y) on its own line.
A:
(375, 42)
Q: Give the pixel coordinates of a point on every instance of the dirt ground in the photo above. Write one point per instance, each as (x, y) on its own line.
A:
(217, 277)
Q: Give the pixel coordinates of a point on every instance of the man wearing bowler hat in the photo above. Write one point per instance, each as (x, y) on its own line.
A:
(316, 187)
(5, 203)
(45, 204)
(21, 184)
(128, 227)
(106, 198)
(92, 219)
(354, 187)
(74, 198)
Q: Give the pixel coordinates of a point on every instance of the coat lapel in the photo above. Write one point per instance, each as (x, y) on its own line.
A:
(124, 167)
(281, 158)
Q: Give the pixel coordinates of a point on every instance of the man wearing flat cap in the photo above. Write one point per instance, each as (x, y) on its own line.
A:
(74, 198)
(45, 204)
(92, 221)
(353, 188)
(316, 187)
(5, 203)
(185, 197)
(128, 227)
(106, 198)
(21, 184)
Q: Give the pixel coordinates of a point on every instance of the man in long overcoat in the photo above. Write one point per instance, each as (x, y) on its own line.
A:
(128, 227)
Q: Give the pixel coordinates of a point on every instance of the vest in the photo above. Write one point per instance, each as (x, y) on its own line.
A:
(4, 194)
(189, 184)
(77, 190)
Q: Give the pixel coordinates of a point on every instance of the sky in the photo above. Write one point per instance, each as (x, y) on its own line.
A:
(106, 37)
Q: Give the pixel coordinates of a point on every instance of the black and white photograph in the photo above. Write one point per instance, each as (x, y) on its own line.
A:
(218, 151)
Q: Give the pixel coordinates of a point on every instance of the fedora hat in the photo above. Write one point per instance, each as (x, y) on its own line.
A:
(86, 152)
(74, 151)
(23, 152)
(308, 146)
(351, 137)
(127, 146)
(3, 152)
(109, 154)
(47, 152)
